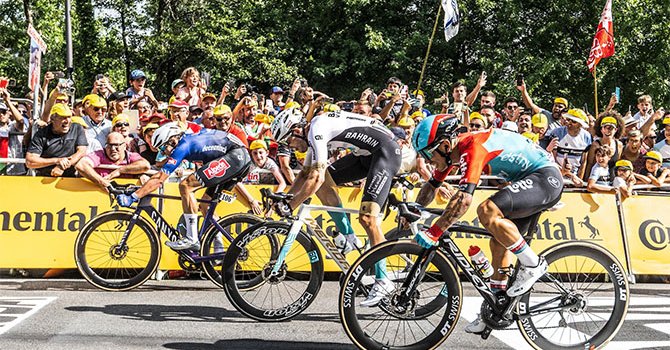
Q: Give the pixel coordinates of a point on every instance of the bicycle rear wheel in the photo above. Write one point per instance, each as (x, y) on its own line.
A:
(247, 278)
(582, 300)
(105, 263)
(216, 243)
(422, 324)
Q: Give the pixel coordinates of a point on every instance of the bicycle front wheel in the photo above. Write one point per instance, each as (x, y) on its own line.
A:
(422, 323)
(107, 263)
(251, 286)
(579, 304)
(216, 243)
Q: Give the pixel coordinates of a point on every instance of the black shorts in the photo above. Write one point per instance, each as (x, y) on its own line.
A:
(536, 192)
(227, 170)
(378, 168)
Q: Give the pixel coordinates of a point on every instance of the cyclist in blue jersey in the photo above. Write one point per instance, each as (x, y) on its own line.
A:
(535, 184)
(223, 157)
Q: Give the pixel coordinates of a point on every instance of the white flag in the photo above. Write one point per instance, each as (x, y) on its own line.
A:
(451, 18)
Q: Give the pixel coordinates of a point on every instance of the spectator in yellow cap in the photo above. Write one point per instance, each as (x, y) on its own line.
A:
(568, 143)
(121, 124)
(653, 170)
(407, 124)
(559, 108)
(608, 129)
(539, 123)
(224, 122)
(55, 149)
(477, 122)
(264, 166)
(95, 112)
(624, 179)
(663, 146)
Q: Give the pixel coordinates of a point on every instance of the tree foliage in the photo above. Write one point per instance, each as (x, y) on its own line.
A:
(344, 46)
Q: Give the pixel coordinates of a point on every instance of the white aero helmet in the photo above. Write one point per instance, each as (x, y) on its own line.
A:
(286, 120)
(164, 133)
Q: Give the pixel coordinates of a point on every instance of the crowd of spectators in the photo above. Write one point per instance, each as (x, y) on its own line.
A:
(107, 133)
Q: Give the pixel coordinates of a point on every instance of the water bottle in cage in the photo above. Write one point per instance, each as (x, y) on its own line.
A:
(480, 261)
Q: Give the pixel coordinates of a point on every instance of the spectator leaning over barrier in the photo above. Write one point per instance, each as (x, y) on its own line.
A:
(569, 142)
(608, 129)
(599, 179)
(259, 156)
(179, 113)
(137, 90)
(98, 125)
(524, 123)
(114, 153)
(559, 108)
(56, 148)
(663, 146)
(653, 170)
(224, 122)
(208, 120)
(624, 179)
(13, 124)
(539, 123)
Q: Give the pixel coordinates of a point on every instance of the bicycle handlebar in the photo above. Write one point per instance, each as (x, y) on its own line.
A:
(115, 189)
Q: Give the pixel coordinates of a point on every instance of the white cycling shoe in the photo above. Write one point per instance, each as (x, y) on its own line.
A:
(347, 243)
(526, 277)
(183, 244)
(380, 289)
(477, 326)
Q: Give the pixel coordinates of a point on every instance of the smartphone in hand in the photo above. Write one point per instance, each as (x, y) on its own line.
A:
(519, 79)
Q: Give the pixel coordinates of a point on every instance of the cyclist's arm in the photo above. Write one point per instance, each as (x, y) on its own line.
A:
(284, 165)
(458, 205)
(153, 184)
(281, 184)
(307, 183)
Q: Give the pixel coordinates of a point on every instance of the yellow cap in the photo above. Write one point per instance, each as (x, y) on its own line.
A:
(80, 121)
(61, 109)
(406, 122)
(540, 120)
(292, 104)
(150, 126)
(208, 95)
(561, 100)
(222, 109)
(654, 155)
(666, 121)
(95, 100)
(330, 107)
(263, 118)
(477, 115)
(120, 118)
(417, 114)
(531, 136)
(622, 163)
(300, 155)
(258, 144)
(418, 93)
(609, 120)
(579, 116)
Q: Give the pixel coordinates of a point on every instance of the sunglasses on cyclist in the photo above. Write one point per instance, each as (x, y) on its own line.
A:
(427, 153)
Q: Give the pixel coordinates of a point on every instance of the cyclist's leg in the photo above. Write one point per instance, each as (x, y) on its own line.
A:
(189, 204)
(346, 169)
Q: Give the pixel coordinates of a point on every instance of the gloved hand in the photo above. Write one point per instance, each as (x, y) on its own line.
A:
(125, 200)
(429, 238)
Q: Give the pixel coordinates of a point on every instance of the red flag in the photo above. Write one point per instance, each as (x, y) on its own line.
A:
(603, 42)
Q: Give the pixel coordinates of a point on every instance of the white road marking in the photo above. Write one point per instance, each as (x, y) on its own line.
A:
(30, 304)
(513, 338)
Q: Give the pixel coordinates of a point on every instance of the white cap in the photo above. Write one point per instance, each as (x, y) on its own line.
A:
(510, 126)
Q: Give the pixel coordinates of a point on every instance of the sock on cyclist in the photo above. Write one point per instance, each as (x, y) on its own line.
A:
(342, 222)
(380, 270)
(498, 286)
(523, 252)
(191, 226)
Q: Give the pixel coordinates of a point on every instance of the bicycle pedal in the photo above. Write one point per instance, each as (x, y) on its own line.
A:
(485, 334)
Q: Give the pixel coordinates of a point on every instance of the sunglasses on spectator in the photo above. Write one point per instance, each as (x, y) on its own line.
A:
(476, 126)
(120, 125)
(512, 107)
(100, 108)
(115, 145)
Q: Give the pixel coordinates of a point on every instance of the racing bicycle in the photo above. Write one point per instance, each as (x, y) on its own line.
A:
(580, 303)
(119, 250)
(293, 277)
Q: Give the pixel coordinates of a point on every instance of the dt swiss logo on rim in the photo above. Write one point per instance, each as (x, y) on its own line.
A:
(216, 168)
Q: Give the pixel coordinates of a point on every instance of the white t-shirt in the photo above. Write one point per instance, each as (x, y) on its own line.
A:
(600, 174)
(664, 149)
(570, 147)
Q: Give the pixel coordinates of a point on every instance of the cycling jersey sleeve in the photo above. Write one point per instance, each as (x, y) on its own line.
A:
(318, 150)
(178, 155)
(474, 159)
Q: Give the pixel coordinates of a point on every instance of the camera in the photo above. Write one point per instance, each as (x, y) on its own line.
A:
(251, 89)
(303, 83)
(66, 86)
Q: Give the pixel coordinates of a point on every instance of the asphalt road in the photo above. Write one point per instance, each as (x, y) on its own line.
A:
(190, 314)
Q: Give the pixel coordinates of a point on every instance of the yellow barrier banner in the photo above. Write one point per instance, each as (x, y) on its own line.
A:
(40, 219)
